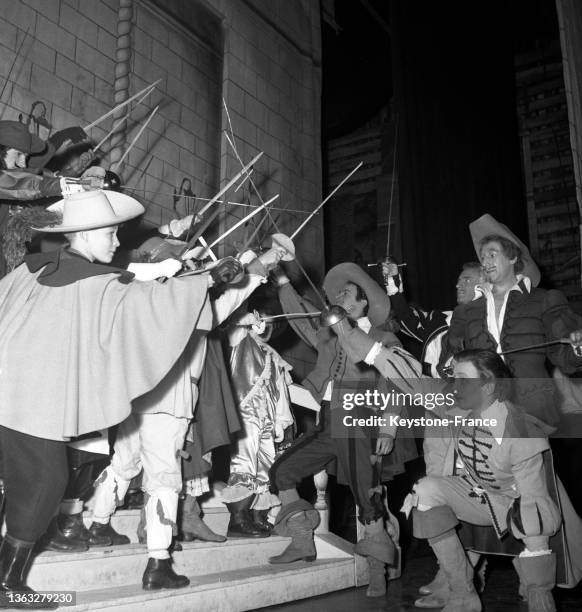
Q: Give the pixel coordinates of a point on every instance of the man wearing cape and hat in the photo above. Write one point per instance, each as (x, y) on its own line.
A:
(511, 312)
(80, 341)
(335, 374)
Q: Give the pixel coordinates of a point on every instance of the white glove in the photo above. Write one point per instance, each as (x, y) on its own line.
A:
(272, 257)
(96, 176)
(152, 271)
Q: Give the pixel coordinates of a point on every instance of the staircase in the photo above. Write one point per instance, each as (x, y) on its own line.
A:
(231, 576)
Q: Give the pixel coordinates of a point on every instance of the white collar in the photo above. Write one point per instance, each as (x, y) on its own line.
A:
(522, 282)
(364, 324)
(498, 412)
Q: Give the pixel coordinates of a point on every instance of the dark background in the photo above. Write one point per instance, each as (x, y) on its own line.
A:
(448, 67)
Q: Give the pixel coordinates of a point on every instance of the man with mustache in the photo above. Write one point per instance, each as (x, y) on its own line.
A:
(511, 312)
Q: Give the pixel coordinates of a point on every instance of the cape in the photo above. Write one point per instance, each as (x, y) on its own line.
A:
(216, 417)
(73, 357)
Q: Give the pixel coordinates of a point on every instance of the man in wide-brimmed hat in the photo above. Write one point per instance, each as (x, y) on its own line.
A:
(336, 372)
(511, 312)
(80, 342)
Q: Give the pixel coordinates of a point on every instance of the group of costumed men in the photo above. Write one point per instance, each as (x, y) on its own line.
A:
(87, 346)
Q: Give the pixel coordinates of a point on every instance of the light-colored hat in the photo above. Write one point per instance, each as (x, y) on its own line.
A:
(89, 210)
(378, 301)
(487, 226)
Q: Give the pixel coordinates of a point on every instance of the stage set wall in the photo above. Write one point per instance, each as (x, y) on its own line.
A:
(262, 56)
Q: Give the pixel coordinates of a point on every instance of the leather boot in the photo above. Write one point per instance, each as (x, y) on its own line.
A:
(241, 524)
(160, 575)
(260, 520)
(192, 527)
(106, 530)
(435, 594)
(302, 547)
(377, 571)
(435, 584)
(538, 577)
(62, 536)
(459, 573)
(376, 542)
(15, 559)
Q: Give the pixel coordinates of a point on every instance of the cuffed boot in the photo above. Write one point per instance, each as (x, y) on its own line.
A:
(377, 584)
(437, 525)
(436, 593)
(299, 525)
(192, 527)
(459, 573)
(160, 575)
(15, 559)
(376, 542)
(537, 579)
(241, 524)
(100, 530)
(259, 518)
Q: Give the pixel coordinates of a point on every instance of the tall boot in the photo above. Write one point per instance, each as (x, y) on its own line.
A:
(459, 572)
(435, 584)
(377, 572)
(538, 577)
(241, 524)
(192, 527)
(298, 520)
(438, 526)
(259, 518)
(15, 559)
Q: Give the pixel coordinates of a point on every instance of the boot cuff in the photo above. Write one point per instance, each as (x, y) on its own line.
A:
(290, 510)
(432, 523)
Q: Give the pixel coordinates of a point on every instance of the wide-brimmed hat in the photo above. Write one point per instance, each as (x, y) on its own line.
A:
(378, 300)
(487, 226)
(15, 135)
(89, 210)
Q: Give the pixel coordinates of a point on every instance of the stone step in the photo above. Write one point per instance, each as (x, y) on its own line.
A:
(229, 590)
(122, 565)
(126, 521)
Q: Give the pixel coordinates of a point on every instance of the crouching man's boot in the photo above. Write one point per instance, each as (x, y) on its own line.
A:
(537, 577)
(379, 548)
(438, 526)
(15, 559)
(192, 527)
(297, 520)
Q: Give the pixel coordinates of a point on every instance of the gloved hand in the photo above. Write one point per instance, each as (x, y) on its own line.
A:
(272, 257)
(96, 177)
(152, 271)
(392, 276)
(228, 270)
(279, 277)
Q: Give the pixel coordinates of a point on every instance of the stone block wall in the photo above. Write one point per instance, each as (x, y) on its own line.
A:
(262, 56)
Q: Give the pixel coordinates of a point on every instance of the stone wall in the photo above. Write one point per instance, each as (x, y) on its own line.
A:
(262, 56)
